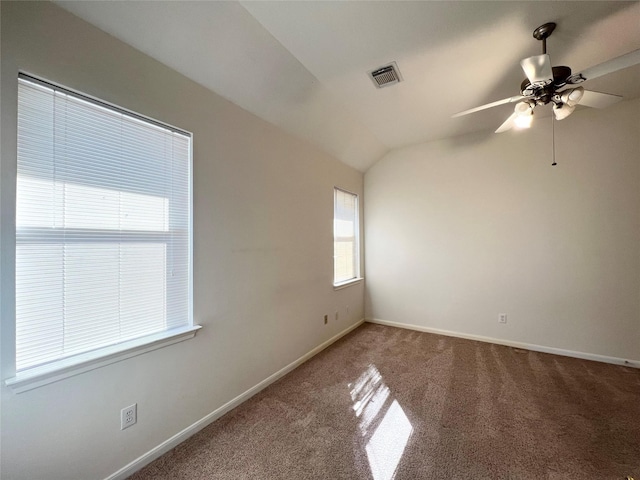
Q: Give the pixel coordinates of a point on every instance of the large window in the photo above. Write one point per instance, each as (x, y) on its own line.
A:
(103, 227)
(346, 257)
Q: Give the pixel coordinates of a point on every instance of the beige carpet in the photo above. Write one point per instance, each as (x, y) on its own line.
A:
(387, 403)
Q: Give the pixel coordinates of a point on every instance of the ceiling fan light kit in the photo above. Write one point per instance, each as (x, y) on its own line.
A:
(546, 84)
(523, 121)
(562, 111)
(524, 115)
(573, 96)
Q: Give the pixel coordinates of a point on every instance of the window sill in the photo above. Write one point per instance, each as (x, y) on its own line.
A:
(348, 283)
(69, 367)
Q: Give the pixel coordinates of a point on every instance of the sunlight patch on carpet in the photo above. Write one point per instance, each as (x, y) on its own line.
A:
(383, 423)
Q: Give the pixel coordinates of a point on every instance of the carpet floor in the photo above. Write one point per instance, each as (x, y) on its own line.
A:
(386, 403)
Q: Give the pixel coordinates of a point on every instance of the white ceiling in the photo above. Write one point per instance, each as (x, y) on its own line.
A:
(303, 65)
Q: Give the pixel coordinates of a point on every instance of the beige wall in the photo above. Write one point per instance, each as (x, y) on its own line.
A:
(461, 230)
(263, 208)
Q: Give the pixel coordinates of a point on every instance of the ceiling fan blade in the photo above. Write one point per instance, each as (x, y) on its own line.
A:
(508, 124)
(517, 98)
(610, 66)
(538, 69)
(598, 100)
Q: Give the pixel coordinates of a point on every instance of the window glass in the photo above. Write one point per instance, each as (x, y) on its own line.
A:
(345, 237)
(103, 215)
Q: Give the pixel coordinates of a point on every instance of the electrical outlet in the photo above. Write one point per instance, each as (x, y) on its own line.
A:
(502, 318)
(336, 315)
(128, 416)
(326, 319)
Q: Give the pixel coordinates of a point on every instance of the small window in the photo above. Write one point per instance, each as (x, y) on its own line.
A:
(103, 226)
(346, 241)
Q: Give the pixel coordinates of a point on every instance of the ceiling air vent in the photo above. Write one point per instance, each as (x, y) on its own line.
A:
(385, 76)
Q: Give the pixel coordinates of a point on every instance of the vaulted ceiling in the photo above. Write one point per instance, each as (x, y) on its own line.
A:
(303, 65)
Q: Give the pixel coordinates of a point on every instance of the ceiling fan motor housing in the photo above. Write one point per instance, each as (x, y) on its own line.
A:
(543, 94)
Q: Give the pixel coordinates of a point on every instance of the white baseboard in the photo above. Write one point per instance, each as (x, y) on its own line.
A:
(180, 437)
(509, 343)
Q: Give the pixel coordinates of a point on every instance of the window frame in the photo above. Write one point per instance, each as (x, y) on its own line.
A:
(64, 367)
(357, 278)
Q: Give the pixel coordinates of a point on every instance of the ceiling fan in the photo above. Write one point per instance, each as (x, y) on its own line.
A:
(556, 85)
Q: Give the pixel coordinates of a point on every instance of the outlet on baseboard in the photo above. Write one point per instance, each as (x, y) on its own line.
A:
(326, 319)
(502, 318)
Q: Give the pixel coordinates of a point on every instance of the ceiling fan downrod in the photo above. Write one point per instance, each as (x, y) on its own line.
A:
(542, 33)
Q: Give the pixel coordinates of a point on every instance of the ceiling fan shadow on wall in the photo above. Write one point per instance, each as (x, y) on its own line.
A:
(556, 85)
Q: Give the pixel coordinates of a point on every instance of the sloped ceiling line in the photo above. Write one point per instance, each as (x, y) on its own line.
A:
(303, 65)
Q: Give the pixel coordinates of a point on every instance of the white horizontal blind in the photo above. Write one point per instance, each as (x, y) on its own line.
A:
(102, 226)
(345, 236)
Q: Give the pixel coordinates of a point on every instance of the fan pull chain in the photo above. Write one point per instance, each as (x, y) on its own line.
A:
(553, 141)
